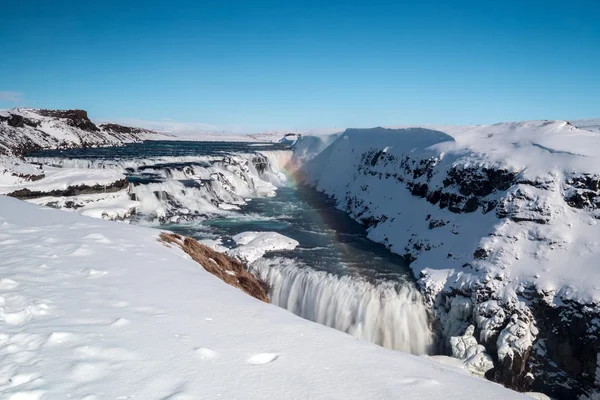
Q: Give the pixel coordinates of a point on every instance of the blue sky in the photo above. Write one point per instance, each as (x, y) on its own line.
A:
(254, 65)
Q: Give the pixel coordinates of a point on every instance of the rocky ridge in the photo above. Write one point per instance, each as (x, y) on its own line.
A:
(24, 129)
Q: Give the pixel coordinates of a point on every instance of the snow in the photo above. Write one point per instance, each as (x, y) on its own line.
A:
(12, 170)
(517, 336)
(549, 152)
(254, 245)
(493, 219)
(538, 396)
(54, 132)
(592, 124)
(94, 309)
(62, 178)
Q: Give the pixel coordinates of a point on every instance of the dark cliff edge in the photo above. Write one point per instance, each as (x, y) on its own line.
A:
(24, 130)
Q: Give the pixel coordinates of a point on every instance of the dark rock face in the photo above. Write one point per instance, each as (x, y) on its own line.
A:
(25, 194)
(464, 190)
(76, 118)
(583, 192)
(18, 121)
(567, 348)
(479, 181)
(122, 129)
(30, 178)
(260, 163)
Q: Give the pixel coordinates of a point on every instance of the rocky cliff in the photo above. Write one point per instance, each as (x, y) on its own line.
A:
(23, 130)
(500, 226)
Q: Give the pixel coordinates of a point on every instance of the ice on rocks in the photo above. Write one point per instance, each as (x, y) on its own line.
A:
(253, 245)
(517, 337)
(474, 357)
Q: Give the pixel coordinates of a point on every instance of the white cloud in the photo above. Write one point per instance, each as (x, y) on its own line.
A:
(11, 96)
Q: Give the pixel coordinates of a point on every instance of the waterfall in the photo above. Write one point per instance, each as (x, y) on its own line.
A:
(279, 160)
(390, 314)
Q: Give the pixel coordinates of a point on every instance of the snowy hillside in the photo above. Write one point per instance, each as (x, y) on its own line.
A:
(500, 223)
(94, 309)
(24, 129)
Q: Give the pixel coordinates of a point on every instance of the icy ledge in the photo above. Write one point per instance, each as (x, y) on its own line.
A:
(86, 302)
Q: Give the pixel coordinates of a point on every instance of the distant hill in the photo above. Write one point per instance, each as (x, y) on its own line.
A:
(26, 129)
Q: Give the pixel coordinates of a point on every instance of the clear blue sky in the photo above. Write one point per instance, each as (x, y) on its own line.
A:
(301, 64)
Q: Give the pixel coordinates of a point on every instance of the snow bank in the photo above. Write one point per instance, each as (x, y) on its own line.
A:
(87, 302)
(385, 168)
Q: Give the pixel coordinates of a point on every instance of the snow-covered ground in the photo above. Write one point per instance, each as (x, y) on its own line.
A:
(592, 124)
(222, 137)
(97, 310)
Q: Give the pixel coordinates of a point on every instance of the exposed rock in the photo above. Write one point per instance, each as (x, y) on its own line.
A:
(76, 118)
(29, 177)
(25, 194)
(23, 130)
(225, 268)
(123, 129)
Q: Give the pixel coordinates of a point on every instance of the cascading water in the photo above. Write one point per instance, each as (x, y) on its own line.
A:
(391, 314)
(279, 160)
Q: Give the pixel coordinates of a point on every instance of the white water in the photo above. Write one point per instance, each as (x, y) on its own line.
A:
(279, 160)
(389, 314)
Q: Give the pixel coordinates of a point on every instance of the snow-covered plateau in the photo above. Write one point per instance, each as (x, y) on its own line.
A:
(498, 224)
